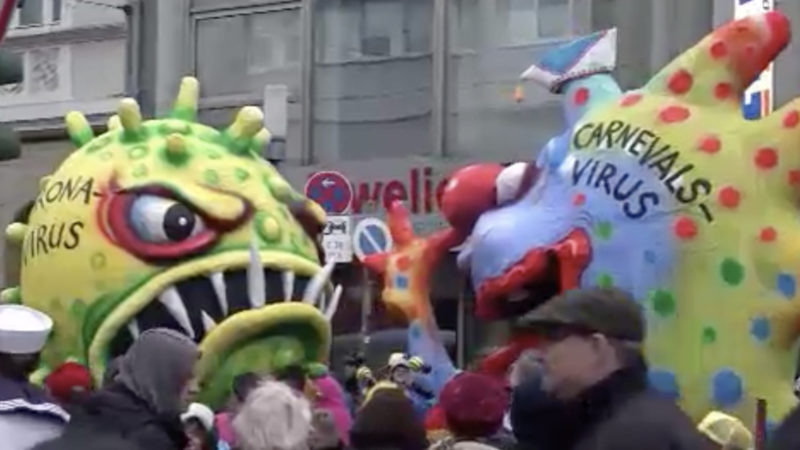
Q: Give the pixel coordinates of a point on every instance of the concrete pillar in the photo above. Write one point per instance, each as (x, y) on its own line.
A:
(165, 53)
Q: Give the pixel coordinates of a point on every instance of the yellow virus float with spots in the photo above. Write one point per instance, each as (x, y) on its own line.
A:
(664, 191)
(170, 223)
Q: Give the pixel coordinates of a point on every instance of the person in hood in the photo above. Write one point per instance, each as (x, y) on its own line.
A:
(28, 416)
(474, 405)
(331, 398)
(387, 421)
(144, 402)
(594, 368)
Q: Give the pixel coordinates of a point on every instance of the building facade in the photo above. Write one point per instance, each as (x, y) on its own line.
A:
(393, 94)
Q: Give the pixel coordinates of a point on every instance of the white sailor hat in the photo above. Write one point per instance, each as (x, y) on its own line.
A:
(22, 329)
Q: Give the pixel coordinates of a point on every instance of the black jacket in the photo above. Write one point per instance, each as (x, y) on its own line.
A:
(619, 413)
(117, 412)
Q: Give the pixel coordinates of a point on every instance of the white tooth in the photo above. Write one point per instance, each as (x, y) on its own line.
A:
(518, 296)
(256, 285)
(218, 281)
(133, 328)
(172, 300)
(288, 285)
(334, 304)
(317, 283)
(208, 322)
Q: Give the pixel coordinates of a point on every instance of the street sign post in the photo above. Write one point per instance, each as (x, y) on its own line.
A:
(371, 236)
(336, 239)
(758, 98)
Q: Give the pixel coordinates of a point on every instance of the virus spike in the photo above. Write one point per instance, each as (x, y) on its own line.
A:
(15, 232)
(185, 106)
(78, 128)
(10, 295)
(729, 59)
(176, 151)
(131, 118)
(247, 124)
(114, 123)
(260, 141)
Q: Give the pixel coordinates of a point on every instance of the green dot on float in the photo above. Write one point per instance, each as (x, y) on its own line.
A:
(732, 271)
(663, 302)
(709, 335)
(603, 230)
(605, 280)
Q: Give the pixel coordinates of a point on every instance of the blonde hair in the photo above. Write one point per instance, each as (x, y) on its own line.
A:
(274, 417)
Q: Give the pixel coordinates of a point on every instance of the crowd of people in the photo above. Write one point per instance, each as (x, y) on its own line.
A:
(584, 388)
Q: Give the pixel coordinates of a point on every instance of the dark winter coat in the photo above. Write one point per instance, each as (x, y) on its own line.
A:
(116, 412)
(619, 413)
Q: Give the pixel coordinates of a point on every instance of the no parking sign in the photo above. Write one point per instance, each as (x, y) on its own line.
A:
(331, 190)
(371, 236)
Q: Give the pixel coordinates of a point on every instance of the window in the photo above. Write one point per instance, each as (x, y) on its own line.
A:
(500, 23)
(274, 40)
(349, 30)
(44, 71)
(36, 13)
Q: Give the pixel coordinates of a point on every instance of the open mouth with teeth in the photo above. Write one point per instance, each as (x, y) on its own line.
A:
(540, 275)
(252, 311)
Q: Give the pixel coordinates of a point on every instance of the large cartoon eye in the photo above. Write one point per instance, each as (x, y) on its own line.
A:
(158, 227)
(161, 220)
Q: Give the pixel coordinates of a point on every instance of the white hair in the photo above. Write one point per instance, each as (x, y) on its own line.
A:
(274, 417)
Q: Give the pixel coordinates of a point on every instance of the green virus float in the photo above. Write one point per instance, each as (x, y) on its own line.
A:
(170, 223)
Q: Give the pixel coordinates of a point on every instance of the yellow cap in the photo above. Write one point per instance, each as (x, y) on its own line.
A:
(726, 430)
(380, 385)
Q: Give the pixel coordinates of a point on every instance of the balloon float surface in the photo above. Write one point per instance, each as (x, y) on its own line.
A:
(665, 191)
(171, 223)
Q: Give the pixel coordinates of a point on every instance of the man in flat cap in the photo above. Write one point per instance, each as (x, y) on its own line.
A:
(594, 378)
(27, 415)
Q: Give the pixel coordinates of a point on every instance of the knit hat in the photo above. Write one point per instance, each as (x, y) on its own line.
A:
(68, 379)
(726, 431)
(474, 405)
(387, 420)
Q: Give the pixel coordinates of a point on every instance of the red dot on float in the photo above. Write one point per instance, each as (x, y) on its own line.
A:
(581, 96)
(768, 234)
(680, 82)
(685, 228)
(578, 199)
(791, 119)
(672, 114)
(403, 263)
(794, 177)
(723, 90)
(766, 158)
(729, 197)
(710, 144)
(719, 50)
(631, 99)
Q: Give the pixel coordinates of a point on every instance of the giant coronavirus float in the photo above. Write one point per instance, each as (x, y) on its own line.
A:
(665, 191)
(170, 223)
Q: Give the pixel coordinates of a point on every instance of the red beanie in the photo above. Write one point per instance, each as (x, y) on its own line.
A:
(474, 405)
(68, 379)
